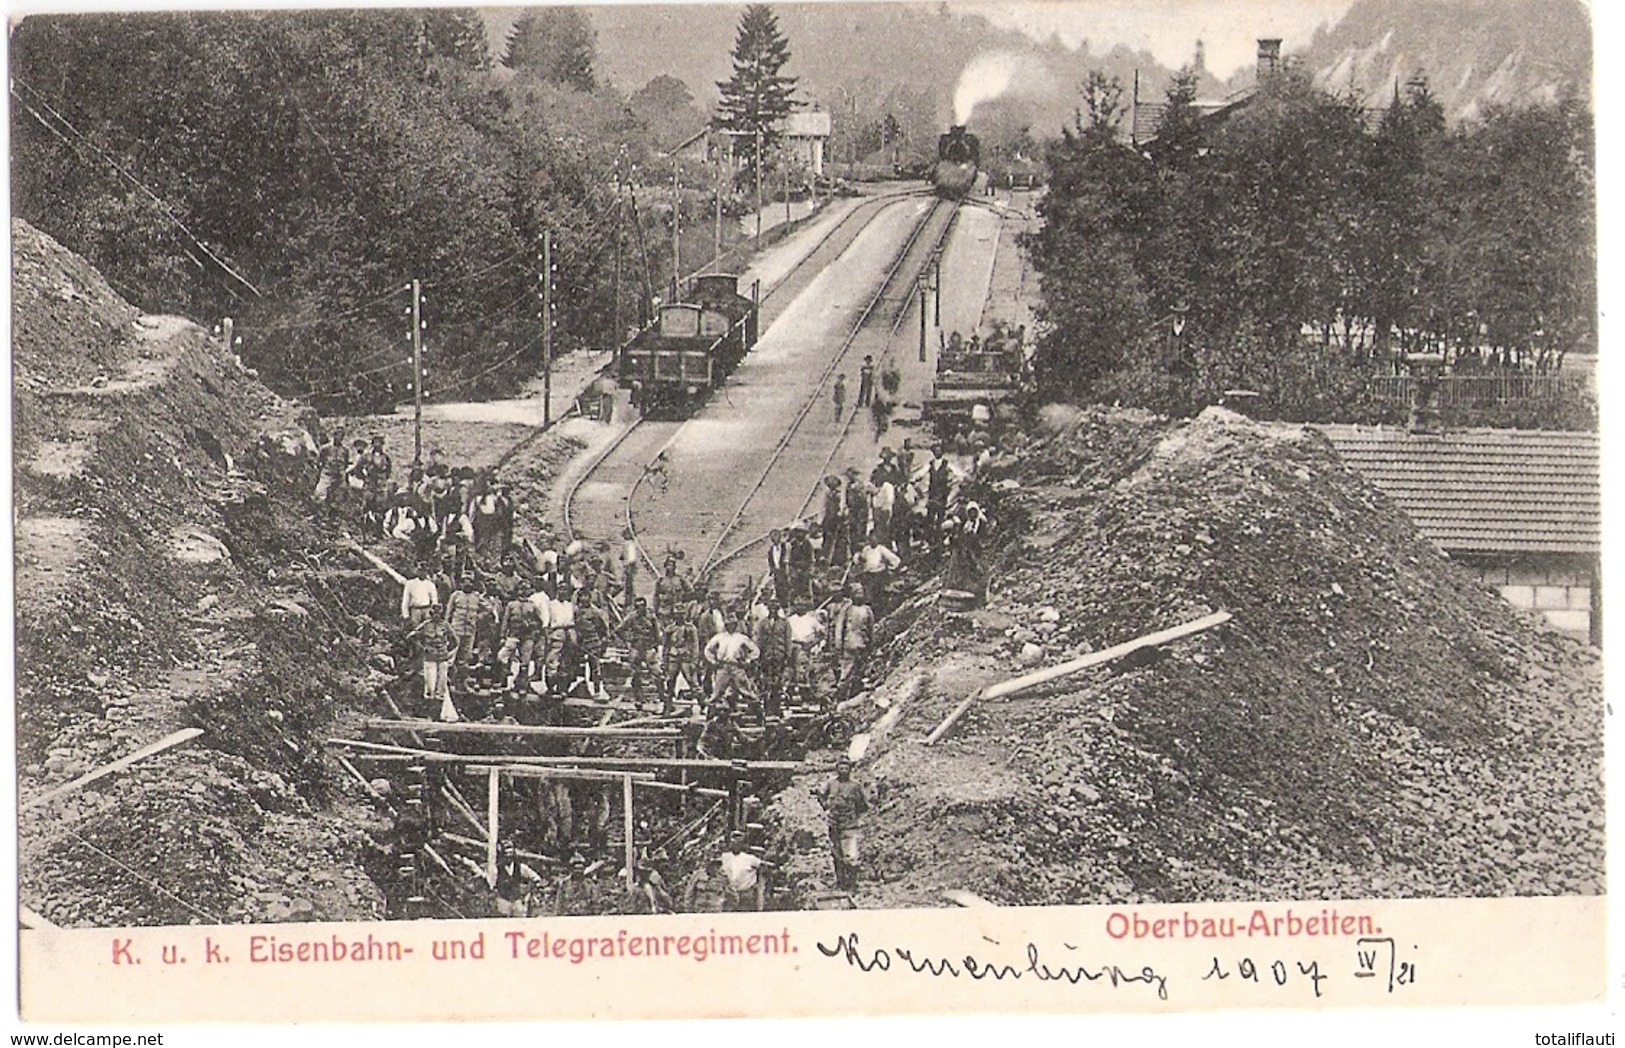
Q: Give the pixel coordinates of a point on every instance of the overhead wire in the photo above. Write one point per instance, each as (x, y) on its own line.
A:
(163, 205)
(138, 875)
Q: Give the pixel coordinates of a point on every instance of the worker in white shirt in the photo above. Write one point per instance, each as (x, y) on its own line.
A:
(630, 555)
(729, 653)
(881, 507)
(743, 870)
(418, 597)
(873, 565)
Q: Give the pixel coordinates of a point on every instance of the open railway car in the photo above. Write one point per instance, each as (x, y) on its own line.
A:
(959, 153)
(675, 363)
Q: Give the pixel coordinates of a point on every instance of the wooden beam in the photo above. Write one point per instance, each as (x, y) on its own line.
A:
(960, 897)
(429, 727)
(168, 741)
(378, 563)
(631, 845)
(363, 780)
(362, 748)
(531, 771)
(471, 842)
(29, 919)
(493, 797)
(463, 808)
(1094, 658)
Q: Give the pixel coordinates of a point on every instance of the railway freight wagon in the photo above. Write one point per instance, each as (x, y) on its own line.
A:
(959, 153)
(673, 365)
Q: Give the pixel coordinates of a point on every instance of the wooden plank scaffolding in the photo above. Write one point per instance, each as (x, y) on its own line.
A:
(630, 773)
(434, 743)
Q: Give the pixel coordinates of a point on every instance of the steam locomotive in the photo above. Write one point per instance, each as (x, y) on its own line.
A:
(673, 365)
(959, 153)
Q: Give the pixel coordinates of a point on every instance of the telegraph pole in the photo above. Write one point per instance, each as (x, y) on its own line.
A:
(757, 164)
(676, 229)
(922, 318)
(936, 285)
(716, 251)
(417, 372)
(547, 328)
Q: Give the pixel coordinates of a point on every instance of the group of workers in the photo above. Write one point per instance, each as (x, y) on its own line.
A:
(524, 618)
(456, 512)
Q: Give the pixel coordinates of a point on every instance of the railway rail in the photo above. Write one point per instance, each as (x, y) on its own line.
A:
(624, 465)
(892, 302)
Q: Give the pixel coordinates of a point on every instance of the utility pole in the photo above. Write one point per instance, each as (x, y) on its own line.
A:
(418, 373)
(618, 329)
(785, 158)
(922, 319)
(547, 328)
(676, 229)
(936, 285)
(756, 162)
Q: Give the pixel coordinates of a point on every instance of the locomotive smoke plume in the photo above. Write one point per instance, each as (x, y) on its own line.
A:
(986, 78)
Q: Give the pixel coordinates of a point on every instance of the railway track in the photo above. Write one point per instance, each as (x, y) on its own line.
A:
(610, 493)
(891, 305)
(597, 502)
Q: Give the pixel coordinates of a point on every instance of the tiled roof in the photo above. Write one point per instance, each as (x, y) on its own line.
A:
(1486, 490)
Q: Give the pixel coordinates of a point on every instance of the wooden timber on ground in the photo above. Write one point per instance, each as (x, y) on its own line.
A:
(531, 771)
(1094, 658)
(641, 779)
(433, 727)
(617, 763)
(168, 741)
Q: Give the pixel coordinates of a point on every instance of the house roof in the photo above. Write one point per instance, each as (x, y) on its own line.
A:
(1486, 491)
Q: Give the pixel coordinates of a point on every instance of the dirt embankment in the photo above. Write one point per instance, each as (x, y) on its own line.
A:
(168, 577)
(1372, 722)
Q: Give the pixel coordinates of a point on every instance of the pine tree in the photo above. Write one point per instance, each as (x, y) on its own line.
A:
(456, 34)
(556, 44)
(757, 98)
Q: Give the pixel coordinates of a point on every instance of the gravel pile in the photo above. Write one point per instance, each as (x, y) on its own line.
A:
(1372, 722)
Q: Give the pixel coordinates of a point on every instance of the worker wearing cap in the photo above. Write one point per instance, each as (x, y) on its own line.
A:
(858, 495)
(939, 481)
(512, 883)
(574, 897)
(800, 559)
(462, 615)
(680, 656)
(743, 870)
(845, 805)
(375, 474)
(772, 636)
(523, 630)
(437, 644)
(778, 563)
(670, 593)
(332, 462)
(833, 522)
(642, 638)
(853, 631)
(866, 382)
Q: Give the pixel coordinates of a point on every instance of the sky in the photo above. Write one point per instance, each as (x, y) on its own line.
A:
(1169, 29)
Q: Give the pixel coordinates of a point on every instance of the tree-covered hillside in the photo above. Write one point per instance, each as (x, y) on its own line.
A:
(297, 170)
